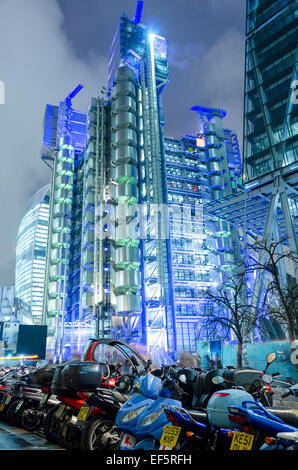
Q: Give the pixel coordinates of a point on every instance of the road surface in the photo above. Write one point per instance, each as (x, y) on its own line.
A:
(12, 438)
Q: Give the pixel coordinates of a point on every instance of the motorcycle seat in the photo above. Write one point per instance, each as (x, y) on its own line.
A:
(120, 397)
(289, 416)
(110, 395)
(200, 416)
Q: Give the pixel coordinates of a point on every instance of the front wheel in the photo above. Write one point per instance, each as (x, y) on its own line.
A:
(100, 433)
(52, 425)
(29, 419)
(11, 413)
(70, 436)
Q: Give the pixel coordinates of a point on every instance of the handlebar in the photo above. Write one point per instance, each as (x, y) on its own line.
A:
(284, 395)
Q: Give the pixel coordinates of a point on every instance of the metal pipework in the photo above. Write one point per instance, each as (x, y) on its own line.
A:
(125, 276)
(217, 189)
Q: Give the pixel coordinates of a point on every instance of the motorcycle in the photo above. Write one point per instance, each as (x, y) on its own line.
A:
(142, 419)
(237, 409)
(96, 417)
(287, 440)
(12, 396)
(38, 398)
(195, 431)
(71, 384)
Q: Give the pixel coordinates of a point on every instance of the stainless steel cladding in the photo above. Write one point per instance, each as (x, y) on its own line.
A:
(125, 275)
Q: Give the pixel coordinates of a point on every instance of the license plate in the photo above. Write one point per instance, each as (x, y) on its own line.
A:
(43, 399)
(242, 441)
(170, 436)
(19, 405)
(127, 441)
(2, 406)
(8, 398)
(83, 413)
(59, 411)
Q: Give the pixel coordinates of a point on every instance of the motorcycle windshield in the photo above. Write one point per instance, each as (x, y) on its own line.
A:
(117, 352)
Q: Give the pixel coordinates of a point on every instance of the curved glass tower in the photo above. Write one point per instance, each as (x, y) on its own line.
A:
(31, 252)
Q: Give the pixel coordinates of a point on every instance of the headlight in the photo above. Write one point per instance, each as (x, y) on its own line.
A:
(182, 378)
(132, 414)
(151, 418)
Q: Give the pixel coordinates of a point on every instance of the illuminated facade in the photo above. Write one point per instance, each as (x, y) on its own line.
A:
(267, 205)
(6, 303)
(203, 249)
(271, 119)
(31, 253)
(64, 139)
(137, 251)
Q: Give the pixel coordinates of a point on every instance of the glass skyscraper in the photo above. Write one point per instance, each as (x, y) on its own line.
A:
(267, 206)
(271, 117)
(271, 124)
(31, 253)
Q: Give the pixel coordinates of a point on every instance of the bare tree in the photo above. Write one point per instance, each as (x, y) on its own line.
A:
(229, 310)
(281, 291)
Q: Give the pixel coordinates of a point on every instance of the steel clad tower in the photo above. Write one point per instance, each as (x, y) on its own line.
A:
(133, 282)
(118, 188)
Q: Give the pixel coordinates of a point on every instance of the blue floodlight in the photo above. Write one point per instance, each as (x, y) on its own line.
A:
(139, 10)
(202, 110)
(74, 92)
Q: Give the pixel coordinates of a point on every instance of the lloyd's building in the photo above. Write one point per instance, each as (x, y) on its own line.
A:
(130, 252)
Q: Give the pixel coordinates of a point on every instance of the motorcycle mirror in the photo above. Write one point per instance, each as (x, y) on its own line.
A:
(270, 358)
(182, 378)
(217, 380)
(267, 379)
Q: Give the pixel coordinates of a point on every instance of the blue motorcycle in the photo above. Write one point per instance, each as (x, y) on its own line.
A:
(255, 427)
(262, 424)
(234, 420)
(196, 431)
(142, 419)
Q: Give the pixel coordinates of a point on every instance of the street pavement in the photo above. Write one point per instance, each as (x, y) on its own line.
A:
(288, 402)
(12, 438)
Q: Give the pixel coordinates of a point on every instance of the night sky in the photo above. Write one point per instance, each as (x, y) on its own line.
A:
(49, 46)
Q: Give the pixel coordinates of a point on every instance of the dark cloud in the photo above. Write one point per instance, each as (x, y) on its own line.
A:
(48, 47)
(38, 66)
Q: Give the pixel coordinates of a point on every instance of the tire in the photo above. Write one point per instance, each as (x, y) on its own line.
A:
(4, 413)
(11, 415)
(70, 436)
(50, 427)
(28, 420)
(93, 432)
